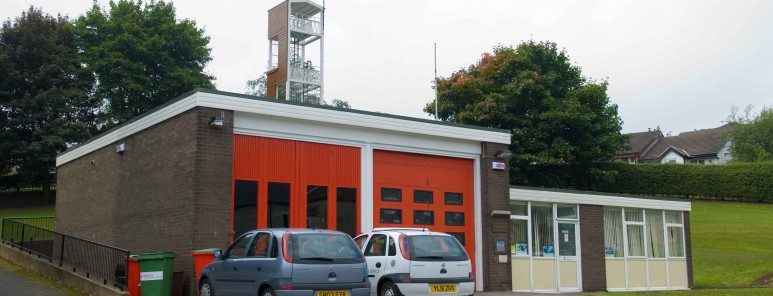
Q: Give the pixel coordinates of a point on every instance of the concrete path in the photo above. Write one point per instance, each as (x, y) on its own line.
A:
(13, 284)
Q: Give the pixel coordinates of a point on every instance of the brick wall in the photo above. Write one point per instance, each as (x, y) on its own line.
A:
(495, 195)
(169, 192)
(688, 249)
(592, 248)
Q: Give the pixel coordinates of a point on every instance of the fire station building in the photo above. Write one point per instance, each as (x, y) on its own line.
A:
(209, 165)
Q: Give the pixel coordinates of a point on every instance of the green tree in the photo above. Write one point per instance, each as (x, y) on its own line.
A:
(257, 87)
(142, 56)
(563, 124)
(340, 104)
(45, 105)
(752, 138)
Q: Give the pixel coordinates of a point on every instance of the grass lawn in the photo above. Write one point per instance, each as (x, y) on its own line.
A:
(718, 292)
(26, 212)
(732, 243)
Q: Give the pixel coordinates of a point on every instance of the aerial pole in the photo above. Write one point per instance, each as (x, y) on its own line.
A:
(434, 85)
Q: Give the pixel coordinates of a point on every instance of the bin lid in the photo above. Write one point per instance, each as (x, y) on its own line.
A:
(153, 256)
(203, 251)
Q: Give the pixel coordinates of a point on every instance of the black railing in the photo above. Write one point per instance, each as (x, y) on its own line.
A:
(92, 259)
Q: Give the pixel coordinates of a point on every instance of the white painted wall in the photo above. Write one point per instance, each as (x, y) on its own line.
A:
(671, 155)
(724, 154)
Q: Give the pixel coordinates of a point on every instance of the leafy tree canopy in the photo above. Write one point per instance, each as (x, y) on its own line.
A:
(44, 94)
(142, 56)
(562, 123)
(752, 138)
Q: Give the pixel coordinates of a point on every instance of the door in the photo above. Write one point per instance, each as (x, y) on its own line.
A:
(568, 259)
(376, 254)
(227, 276)
(260, 262)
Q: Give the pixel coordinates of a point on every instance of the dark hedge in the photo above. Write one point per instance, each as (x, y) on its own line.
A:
(733, 181)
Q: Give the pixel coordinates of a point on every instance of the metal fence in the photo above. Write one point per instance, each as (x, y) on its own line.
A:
(94, 260)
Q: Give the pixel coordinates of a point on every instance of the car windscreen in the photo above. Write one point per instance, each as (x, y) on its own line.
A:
(324, 248)
(435, 248)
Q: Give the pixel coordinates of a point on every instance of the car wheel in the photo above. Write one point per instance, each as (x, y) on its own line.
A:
(389, 289)
(205, 289)
(268, 292)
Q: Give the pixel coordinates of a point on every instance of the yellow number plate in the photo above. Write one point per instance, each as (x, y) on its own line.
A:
(332, 293)
(442, 288)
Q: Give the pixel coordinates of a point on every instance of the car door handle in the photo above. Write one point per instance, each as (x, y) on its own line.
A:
(259, 269)
(378, 264)
(234, 268)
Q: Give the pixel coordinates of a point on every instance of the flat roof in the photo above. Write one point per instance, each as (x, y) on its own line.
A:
(260, 105)
(541, 194)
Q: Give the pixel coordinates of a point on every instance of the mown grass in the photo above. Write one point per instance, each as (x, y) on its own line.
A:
(697, 292)
(732, 243)
(26, 212)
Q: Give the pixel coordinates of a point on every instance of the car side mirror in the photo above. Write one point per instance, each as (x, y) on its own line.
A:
(217, 254)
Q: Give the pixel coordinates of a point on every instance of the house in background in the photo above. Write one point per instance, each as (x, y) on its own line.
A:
(706, 146)
(639, 143)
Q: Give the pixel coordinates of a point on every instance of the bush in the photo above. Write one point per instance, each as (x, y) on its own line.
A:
(733, 181)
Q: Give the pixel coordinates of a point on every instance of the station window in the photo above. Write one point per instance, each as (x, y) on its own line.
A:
(645, 233)
(391, 194)
(459, 236)
(453, 198)
(454, 219)
(424, 217)
(422, 196)
(245, 208)
(391, 216)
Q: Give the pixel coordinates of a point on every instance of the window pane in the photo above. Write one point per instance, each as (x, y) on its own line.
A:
(391, 216)
(674, 217)
(278, 205)
(633, 215)
(542, 232)
(675, 242)
(567, 244)
(376, 245)
(391, 194)
(453, 198)
(316, 207)
(346, 210)
(239, 248)
(259, 248)
(613, 233)
(518, 208)
(656, 247)
(422, 196)
(567, 211)
(520, 237)
(635, 240)
(245, 206)
(424, 217)
(454, 219)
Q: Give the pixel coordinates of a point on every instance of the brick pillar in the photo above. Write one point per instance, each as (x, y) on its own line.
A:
(688, 249)
(594, 277)
(495, 195)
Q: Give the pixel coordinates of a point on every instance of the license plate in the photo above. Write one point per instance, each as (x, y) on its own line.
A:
(442, 288)
(331, 293)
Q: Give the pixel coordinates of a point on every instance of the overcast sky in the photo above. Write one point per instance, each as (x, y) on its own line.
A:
(680, 65)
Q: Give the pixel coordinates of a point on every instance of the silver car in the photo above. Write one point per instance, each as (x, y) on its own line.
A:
(270, 262)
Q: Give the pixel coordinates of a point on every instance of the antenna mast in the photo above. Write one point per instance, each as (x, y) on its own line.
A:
(434, 83)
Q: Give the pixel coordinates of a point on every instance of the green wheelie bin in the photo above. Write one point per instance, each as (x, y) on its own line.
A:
(156, 270)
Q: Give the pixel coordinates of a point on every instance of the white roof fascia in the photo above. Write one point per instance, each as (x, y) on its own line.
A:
(602, 200)
(351, 118)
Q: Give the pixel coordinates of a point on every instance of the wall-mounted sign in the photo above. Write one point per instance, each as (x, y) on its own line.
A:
(499, 166)
(502, 258)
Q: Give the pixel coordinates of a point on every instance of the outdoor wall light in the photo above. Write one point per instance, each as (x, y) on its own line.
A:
(217, 121)
(503, 154)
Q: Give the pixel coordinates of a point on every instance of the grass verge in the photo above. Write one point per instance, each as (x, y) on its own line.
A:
(26, 212)
(731, 243)
(44, 281)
